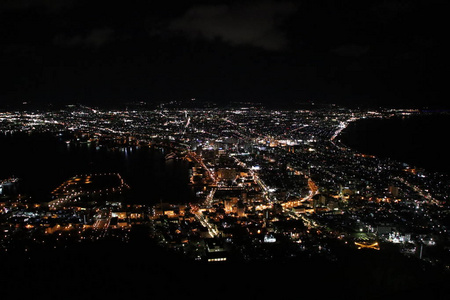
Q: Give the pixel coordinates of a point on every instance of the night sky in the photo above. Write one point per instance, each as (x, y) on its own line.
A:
(364, 53)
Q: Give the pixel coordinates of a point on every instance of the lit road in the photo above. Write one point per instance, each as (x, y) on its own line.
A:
(258, 180)
(418, 190)
(211, 230)
(313, 190)
(310, 223)
(102, 223)
(290, 204)
(199, 160)
(210, 197)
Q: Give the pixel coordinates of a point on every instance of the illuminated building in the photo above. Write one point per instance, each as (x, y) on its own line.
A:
(215, 251)
(269, 238)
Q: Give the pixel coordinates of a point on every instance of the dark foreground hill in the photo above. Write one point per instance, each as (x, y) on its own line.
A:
(141, 269)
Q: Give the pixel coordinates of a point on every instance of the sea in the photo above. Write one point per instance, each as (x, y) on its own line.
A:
(421, 141)
(42, 161)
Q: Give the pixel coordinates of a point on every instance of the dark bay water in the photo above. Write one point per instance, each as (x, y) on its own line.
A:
(43, 162)
(420, 141)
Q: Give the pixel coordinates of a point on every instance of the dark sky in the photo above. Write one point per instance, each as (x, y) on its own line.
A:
(346, 52)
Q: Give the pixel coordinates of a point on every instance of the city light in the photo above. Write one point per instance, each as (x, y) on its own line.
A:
(260, 178)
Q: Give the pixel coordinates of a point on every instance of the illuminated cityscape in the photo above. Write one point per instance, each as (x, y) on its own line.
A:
(262, 177)
(224, 149)
(269, 185)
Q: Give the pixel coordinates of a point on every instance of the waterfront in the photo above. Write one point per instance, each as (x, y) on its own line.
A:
(416, 140)
(43, 162)
(273, 186)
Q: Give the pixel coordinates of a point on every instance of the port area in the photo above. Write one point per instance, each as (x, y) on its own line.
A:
(87, 188)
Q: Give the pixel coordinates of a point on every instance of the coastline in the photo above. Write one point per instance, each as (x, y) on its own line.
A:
(52, 161)
(414, 140)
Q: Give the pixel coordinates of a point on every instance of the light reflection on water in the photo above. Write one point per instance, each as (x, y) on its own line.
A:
(44, 162)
